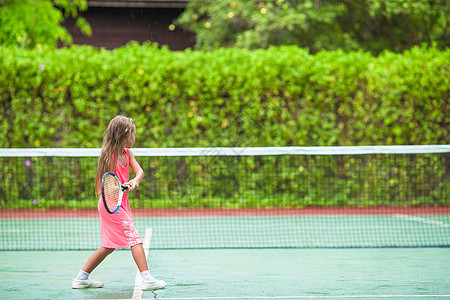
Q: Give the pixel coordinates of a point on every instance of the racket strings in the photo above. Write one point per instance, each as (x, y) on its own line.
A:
(111, 189)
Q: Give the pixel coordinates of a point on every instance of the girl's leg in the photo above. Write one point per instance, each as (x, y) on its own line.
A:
(149, 283)
(139, 257)
(82, 281)
(96, 258)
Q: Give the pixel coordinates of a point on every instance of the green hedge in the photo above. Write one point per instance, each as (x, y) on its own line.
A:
(277, 97)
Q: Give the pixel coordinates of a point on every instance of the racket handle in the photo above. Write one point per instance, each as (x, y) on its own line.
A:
(124, 187)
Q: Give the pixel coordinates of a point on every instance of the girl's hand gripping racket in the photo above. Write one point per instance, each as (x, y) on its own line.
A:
(112, 192)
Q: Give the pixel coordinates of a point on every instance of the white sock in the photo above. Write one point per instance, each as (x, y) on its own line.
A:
(146, 276)
(82, 275)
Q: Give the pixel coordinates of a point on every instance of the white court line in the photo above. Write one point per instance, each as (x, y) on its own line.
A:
(137, 294)
(313, 297)
(422, 220)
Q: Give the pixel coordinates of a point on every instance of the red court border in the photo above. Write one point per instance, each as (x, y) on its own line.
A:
(220, 212)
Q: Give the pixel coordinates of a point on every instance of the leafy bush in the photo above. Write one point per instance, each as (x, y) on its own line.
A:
(277, 97)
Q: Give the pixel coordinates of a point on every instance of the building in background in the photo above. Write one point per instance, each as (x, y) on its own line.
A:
(114, 23)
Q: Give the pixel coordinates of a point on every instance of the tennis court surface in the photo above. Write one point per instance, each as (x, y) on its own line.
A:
(236, 223)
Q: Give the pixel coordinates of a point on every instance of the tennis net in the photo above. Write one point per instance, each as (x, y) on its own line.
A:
(268, 197)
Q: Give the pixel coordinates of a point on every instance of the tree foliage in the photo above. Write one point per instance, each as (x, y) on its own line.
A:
(28, 23)
(371, 25)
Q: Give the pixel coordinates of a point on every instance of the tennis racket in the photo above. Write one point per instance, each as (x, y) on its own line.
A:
(112, 192)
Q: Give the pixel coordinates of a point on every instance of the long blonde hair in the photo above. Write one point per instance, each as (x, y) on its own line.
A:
(116, 134)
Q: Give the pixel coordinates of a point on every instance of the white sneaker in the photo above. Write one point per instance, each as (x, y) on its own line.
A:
(151, 285)
(86, 284)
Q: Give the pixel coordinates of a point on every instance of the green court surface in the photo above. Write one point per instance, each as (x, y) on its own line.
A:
(323, 231)
(236, 274)
(297, 257)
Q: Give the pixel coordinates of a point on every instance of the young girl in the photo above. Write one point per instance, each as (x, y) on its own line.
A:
(117, 230)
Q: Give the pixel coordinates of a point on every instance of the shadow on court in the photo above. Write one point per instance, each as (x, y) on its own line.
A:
(236, 274)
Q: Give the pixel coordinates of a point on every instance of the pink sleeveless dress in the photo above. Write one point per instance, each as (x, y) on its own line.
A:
(117, 230)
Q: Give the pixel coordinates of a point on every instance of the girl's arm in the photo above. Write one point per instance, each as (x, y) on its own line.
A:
(134, 183)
